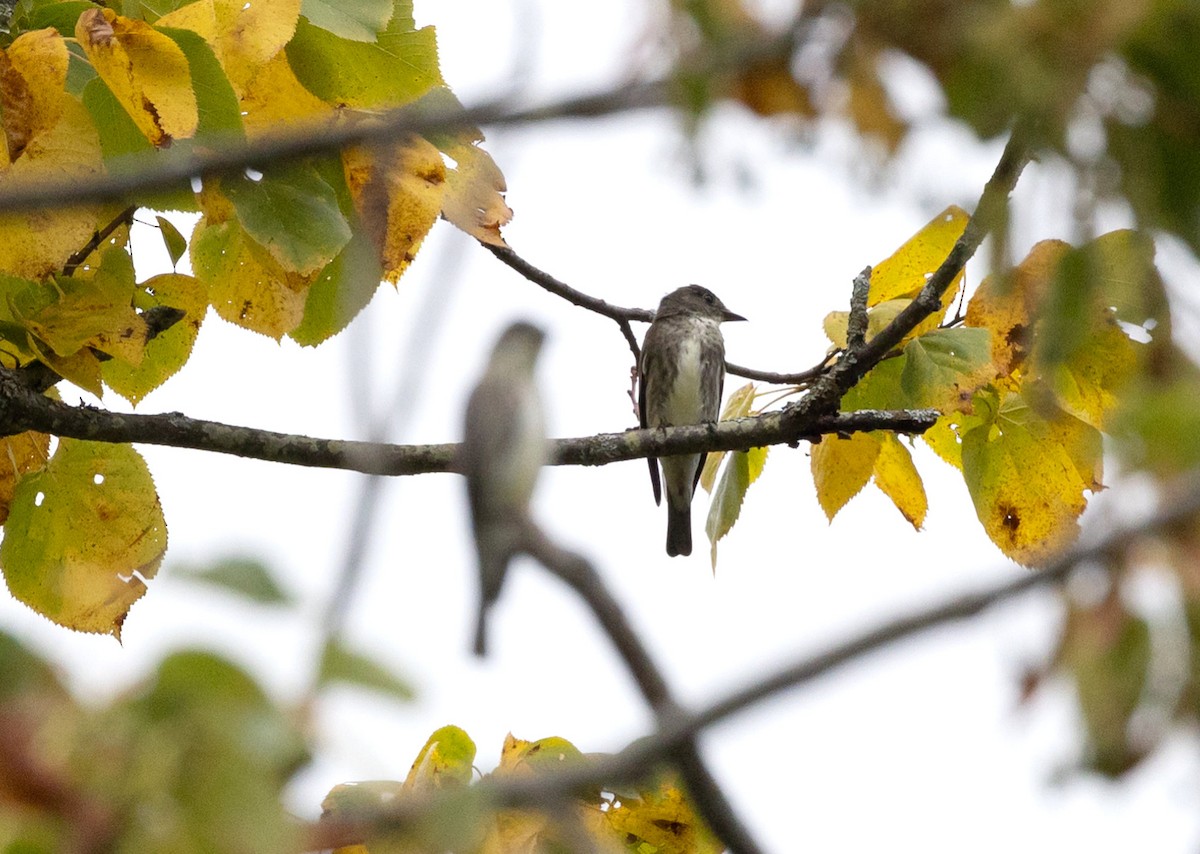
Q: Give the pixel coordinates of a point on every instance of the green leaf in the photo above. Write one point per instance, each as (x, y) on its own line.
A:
(446, 760)
(150, 10)
(396, 70)
(84, 535)
(23, 672)
(357, 20)
(119, 136)
(1113, 275)
(292, 213)
(943, 368)
(881, 388)
(79, 70)
(175, 242)
(243, 576)
(742, 469)
(342, 665)
(61, 16)
(340, 292)
(1157, 426)
(216, 102)
(124, 146)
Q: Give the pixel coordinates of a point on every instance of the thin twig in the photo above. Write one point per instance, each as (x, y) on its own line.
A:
(800, 378)
(623, 316)
(125, 217)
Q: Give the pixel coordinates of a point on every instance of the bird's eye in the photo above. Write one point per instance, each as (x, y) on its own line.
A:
(708, 298)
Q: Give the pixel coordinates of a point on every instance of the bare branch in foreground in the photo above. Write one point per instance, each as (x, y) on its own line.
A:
(1181, 503)
(705, 792)
(22, 408)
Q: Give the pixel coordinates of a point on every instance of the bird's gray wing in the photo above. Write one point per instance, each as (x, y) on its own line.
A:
(489, 436)
(642, 417)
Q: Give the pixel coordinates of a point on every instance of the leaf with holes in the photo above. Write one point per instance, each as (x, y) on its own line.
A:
(1027, 476)
(245, 284)
(84, 536)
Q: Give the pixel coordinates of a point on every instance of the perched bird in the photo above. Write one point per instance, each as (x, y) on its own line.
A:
(504, 447)
(682, 375)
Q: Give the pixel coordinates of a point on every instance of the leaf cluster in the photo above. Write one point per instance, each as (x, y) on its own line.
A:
(294, 248)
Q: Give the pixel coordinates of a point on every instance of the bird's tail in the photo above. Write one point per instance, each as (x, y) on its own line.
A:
(679, 530)
(481, 631)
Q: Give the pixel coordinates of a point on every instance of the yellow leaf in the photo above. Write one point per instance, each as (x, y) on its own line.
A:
(275, 99)
(1027, 476)
(905, 273)
(146, 71)
(1007, 306)
(842, 467)
(837, 323)
(19, 454)
(93, 311)
(81, 368)
(34, 104)
(661, 821)
(169, 351)
(398, 193)
(770, 89)
(897, 478)
(244, 36)
(738, 406)
(37, 243)
(944, 436)
(474, 198)
(245, 284)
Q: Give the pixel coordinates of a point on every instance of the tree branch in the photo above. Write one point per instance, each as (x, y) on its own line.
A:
(856, 362)
(22, 408)
(623, 316)
(706, 794)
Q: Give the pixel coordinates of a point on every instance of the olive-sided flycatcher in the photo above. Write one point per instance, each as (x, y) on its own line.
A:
(504, 447)
(682, 377)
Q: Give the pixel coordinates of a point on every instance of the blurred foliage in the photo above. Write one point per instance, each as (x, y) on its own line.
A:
(656, 819)
(193, 759)
(1053, 64)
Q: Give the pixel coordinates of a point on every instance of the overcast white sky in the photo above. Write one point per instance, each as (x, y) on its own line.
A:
(920, 748)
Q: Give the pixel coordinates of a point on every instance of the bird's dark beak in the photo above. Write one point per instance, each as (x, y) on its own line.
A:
(729, 315)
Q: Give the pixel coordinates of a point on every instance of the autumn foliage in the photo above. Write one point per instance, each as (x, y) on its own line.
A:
(1034, 369)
